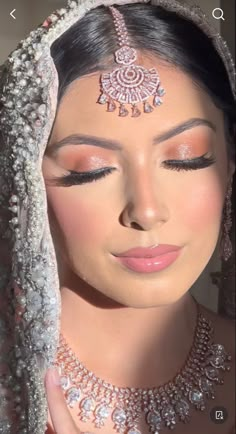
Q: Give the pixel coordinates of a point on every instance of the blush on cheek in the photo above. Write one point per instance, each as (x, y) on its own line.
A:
(75, 218)
(203, 208)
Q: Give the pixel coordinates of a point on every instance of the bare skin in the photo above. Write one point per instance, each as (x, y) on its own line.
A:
(140, 203)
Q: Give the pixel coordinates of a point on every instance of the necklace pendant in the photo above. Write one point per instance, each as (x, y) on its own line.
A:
(154, 420)
(211, 373)
(206, 386)
(87, 406)
(196, 397)
(73, 396)
(101, 414)
(168, 416)
(119, 417)
(182, 409)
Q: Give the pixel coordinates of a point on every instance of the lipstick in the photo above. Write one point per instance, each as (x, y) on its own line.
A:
(147, 259)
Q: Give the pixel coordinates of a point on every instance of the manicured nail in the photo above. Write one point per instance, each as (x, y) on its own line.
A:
(53, 377)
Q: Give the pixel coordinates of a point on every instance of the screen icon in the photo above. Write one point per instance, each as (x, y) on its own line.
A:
(218, 14)
(12, 14)
(218, 414)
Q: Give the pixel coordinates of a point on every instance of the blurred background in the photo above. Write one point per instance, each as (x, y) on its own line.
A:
(30, 13)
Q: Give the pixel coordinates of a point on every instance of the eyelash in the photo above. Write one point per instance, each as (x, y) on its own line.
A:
(78, 178)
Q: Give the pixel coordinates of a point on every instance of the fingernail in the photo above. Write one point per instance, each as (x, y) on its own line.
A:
(53, 377)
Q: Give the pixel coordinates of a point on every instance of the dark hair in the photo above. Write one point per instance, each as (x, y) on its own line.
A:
(89, 46)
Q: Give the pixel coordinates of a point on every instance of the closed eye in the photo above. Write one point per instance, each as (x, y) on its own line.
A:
(79, 178)
(189, 164)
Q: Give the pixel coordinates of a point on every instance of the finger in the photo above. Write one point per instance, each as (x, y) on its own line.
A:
(60, 415)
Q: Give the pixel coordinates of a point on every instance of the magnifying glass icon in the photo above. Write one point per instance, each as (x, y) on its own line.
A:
(218, 14)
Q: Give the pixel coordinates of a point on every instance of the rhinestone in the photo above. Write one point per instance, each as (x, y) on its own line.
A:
(211, 373)
(205, 385)
(102, 99)
(65, 382)
(135, 112)
(73, 395)
(147, 108)
(157, 101)
(102, 411)
(88, 404)
(218, 349)
(23, 82)
(123, 111)
(217, 361)
(182, 407)
(195, 396)
(119, 415)
(168, 412)
(161, 91)
(111, 107)
(153, 417)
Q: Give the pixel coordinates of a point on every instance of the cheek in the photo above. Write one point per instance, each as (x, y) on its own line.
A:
(202, 208)
(75, 218)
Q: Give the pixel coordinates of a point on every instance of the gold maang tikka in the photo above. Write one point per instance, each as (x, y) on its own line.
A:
(129, 84)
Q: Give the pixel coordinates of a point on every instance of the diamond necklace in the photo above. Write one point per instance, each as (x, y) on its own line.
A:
(159, 406)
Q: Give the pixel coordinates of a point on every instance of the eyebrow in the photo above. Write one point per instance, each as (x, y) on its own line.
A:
(83, 139)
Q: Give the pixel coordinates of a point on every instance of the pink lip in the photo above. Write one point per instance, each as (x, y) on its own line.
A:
(149, 252)
(148, 260)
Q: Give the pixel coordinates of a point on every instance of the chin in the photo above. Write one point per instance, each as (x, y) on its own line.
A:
(143, 298)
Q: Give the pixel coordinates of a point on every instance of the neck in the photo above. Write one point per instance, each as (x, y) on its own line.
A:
(126, 346)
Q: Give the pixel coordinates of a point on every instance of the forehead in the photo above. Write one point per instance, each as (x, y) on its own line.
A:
(184, 99)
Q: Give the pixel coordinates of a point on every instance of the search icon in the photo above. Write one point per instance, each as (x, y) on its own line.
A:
(218, 14)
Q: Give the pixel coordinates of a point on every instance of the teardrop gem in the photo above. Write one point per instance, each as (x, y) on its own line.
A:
(135, 112)
(111, 106)
(123, 111)
(102, 99)
(161, 91)
(157, 101)
(195, 396)
(147, 108)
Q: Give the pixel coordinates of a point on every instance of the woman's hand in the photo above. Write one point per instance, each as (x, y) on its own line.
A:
(59, 413)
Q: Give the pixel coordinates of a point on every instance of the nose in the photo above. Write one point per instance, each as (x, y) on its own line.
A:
(144, 207)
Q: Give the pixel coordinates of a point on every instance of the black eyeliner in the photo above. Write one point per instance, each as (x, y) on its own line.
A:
(79, 178)
(191, 164)
(74, 178)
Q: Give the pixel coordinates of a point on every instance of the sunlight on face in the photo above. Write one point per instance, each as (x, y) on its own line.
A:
(145, 197)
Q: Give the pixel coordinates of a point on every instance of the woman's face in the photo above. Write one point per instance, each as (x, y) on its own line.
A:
(145, 198)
